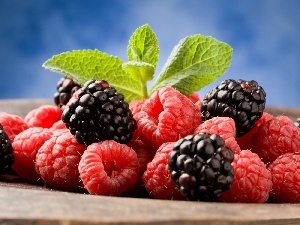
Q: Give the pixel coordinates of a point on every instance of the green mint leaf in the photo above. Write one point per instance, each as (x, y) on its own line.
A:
(143, 46)
(195, 62)
(84, 65)
(141, 71)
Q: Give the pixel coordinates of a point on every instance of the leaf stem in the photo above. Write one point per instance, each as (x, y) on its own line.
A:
(145, 91)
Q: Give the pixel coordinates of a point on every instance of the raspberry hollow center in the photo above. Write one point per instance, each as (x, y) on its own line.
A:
(111, 169)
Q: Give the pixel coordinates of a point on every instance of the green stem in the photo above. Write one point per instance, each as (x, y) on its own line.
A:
(145, 91)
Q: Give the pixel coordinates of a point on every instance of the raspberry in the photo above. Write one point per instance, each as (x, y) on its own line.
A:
(12, 124)
(194, 97)
(108, 168)
(223, 126)
(276, 137)
(285, 172)
(100, 113)
(66, 87)
(43, 116)
(136, 105)
(198, 104)
(57, 161)
(6, 152)
(244, 101)
(157, 177)
(246, 141)
(26, 145)
(58, 125)
(200, 166)
(166, 116)
(144, 156)
(252, 180)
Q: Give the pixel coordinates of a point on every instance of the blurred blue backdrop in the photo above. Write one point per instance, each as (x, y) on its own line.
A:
(265, 36)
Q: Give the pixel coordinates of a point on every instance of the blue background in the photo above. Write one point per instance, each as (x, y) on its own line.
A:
(265, 36)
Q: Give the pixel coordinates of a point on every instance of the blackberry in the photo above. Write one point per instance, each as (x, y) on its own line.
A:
(99, 113)
(64, 90)
(200, 166)
(6, 152)
(297, 122)
(243, 101)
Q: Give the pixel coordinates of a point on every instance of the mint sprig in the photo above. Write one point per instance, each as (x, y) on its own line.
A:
(84, 65)
(143, 46)
(142, 72)
(195, 62)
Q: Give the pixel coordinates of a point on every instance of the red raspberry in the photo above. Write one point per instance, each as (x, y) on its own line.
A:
(198, 104)
(285, 172)
(194, 97)
(246, 141)
(157, 177)
(25, 145)
(57, 161)
(43, 116)
(58, 125)
(108, 168)
(166, 116)
(12, 124)
(144, 156)
(223, 126)
(136, 105)
(232, 144)
(276, 137)
(252, 180)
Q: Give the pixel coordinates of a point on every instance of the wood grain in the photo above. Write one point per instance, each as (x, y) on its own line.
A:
(25, 203)
(33, 206)
(292, 113)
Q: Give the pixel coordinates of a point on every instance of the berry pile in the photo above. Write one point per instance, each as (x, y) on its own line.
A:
(224, 147)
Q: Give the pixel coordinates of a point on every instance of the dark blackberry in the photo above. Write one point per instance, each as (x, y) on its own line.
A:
(297, 122)
(100, 113)
(200, 166)
(243, 101)
(6, 152)
(64, 90)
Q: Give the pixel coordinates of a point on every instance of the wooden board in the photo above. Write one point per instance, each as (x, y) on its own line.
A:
(24, 203)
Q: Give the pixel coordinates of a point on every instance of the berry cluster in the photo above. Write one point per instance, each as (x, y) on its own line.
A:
(99, 113)
(223, 147)
(65, 88)
(200, 166)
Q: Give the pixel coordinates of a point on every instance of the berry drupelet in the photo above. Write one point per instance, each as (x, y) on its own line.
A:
(65, 89)
(297, 122)
(200, 166)
(243, 101)
(99, 113)
(6, 152)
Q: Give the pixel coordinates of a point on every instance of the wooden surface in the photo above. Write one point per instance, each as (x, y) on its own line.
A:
(23, 203)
